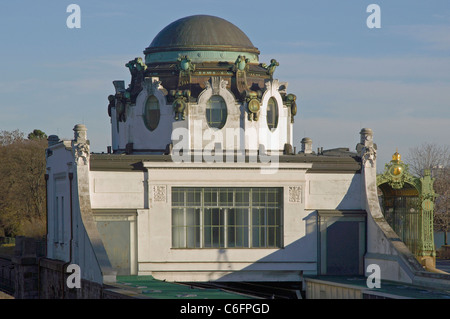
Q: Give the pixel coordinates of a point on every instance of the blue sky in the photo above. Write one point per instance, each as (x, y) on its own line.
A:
(395, 80)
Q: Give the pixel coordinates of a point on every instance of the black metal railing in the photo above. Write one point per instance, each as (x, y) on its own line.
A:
(7, 276)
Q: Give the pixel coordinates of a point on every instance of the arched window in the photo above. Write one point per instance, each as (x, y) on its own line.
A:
(216, 112)
(272, 114)
(151, 113)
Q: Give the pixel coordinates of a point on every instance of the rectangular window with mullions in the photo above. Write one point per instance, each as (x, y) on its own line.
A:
(226, 217)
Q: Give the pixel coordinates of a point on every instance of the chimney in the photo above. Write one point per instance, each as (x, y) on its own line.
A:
(306, 145)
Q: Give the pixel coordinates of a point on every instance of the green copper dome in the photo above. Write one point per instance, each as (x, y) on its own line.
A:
(202, 38)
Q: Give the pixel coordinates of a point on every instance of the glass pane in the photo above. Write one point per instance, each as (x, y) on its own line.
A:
(207, 236)
(217, 216)
(242, 237)
(258, 217)
(258, 237)
(218, 237)
(207, 217)
(216, 112)
(234, 217)
(177, 216)
(210, 197)
(272, 114)
(231, 235)
(178, 227)
(192, 217)
(231, 217)
(259, 197)
(271, 216)
(193, 197)
(177, 197)
(242, 197)
(226, 197)
(272, 199)
(271, 239)
(178, 237)
(242, 217)
(151, 113)
(193, 237)
(237, 236)
(237, 227)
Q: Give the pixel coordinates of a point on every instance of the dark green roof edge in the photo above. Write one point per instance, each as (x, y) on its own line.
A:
(133, 162)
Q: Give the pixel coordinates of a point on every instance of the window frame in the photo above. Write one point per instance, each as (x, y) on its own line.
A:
(274, 118)
(225, 221)
(145, 116)
(223, 110)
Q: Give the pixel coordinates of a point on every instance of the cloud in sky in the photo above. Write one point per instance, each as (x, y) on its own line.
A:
(434, 37)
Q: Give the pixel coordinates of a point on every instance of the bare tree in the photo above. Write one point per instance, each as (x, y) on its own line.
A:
(10, 137)
(428, 156)
(22, 183)
(435, 158)
(442, 203)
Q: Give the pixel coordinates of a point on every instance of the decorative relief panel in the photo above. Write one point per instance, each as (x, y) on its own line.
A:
(295, 194)
(159, 193)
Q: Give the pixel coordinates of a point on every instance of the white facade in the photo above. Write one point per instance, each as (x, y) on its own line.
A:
(184, 200)
(89, 195)
(142, 198)
(72, 235)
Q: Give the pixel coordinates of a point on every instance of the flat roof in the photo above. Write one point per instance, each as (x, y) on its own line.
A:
(320, 163)
(151, 288)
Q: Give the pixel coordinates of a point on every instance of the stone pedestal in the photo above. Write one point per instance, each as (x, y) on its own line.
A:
(25, 262)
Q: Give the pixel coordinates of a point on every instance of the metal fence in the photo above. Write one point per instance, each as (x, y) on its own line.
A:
(7, 276)
(403, 215)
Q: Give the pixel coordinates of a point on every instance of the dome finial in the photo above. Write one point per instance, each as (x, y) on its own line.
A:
(396, 157)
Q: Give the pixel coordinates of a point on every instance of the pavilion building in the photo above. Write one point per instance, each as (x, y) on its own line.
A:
(202, 183)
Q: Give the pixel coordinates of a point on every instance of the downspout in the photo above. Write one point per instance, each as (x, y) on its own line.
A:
(71, 233)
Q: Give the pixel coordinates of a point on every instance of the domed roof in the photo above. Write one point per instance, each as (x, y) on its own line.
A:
(201, 32)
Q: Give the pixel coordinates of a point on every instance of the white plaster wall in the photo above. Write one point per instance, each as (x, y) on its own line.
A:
(59, 164)
(90, 253)
(117, 189)
(155, 255)
(58, 186)
(333, 191)
(133, 130)
(141, 137)
(238, 133)
(150, 194)
(202, 136)
(273, 140)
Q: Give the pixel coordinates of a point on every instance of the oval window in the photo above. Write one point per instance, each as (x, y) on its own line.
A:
(151, 113)
(272, 114)
(216, 112)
